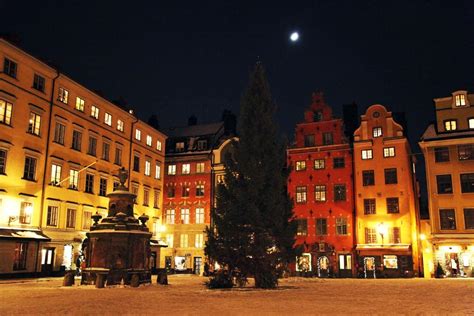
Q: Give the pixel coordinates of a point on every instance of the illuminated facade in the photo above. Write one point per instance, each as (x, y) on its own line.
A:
(448, 148)
(193, 167)
(61, 146)
(385, 198)
(320, 184)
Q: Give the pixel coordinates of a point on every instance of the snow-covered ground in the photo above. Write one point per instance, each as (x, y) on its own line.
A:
(186, 295)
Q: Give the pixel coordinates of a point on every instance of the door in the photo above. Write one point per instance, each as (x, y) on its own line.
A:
(153, 262)
(323, 267)
(197, 265)
(345, 265)
(369, 268)
(47, 261)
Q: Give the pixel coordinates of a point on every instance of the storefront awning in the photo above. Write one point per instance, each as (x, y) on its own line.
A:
(158, 243)
(28, 234)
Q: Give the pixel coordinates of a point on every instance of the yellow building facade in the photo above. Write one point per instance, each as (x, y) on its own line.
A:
(448, 149)
(385, 198)
(61, 146)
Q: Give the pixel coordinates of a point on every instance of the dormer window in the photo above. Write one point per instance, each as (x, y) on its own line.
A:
(180, 146)
(470, 122)
(377, 132)
(460, 100)
(202, 144)
(450, 125)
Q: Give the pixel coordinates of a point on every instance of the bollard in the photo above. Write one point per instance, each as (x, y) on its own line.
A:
(68, 279)
(100, 281)
(162, 277)
(135, 281)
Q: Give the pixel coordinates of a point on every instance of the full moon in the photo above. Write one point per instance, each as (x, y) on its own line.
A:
(294, 36)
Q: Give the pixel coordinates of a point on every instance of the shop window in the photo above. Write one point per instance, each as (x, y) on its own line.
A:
(321, 226)
(447, 218)
(301, 194)
(320, 193)
(303, 262)
(21, 255)
(345, 262)
(368, 177)
(369, 206)
(469, 218)
(393, 205)
(339, 192)
(300, 165)
(391, 176)
(444, 184)
(441, 154)
(466, 152)
(319, 164)
(338, 162)
(341, 226)
(390, 262)
(301, 227)
(308, 140)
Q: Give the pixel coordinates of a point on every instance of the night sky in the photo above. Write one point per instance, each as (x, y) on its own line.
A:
(175, 58)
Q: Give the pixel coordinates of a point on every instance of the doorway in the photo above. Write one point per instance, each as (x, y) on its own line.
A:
(323, 267)
(47, 261)
(197, 265)
(345, 265)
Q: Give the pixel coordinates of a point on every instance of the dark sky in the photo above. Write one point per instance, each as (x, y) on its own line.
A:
(177, 58)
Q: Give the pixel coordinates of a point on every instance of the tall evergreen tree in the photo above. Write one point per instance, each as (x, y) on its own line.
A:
(253, 232)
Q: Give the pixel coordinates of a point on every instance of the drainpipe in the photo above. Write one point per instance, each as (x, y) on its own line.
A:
(130, 154)
(46, 154)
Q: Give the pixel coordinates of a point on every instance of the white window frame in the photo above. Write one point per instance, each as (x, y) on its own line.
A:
(149, 140)
(138, 134)
(367, 154)
(108, 119)
(171, 169)
(388, 152)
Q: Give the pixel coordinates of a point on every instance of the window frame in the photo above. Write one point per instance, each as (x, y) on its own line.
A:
(389, 152)
(366, 154)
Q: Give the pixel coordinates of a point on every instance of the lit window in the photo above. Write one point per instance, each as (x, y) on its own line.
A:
(377, 132)
(200, 190)
(3, 162)
(370, 236)
(200, 167)
(390, 262)
(450, 125)
(5, 112)
(86, 220)
(172, 169)
(319, 164)
(80, 104)
(26, 210)
(34, 124)
(300, 165)
(169, 216)
(366, 154)
(108, 119)
(183, 241)
(199, 215)
(95, 112)
(180, 146)
(138, 134)
(389, 152)
(158, 145)
(199, 241)
(157, 170)
(186, 168)
(38, 83)
(184, 216)
(169, 240)
(148, 140)
(460, 100)
(301, 194)
(120, 125)
(73, 179)
(320, 193)
(55, 174)
(63, 95)
(147, 167)
(471, 123)
(10, 67)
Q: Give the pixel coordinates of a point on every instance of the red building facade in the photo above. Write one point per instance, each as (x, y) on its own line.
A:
(321, 187)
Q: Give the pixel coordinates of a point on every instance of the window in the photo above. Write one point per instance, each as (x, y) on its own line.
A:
(320, 193)
(368, 177)
(169, 216)
(369, 206)
(460, 100)
(184, 216)
(370, 236)
(171, 191)
(95, 112)
(71, 218)
(80, 104)
(148, 140)
(469, 218)
(391, 176)
(308, 140)
(388, 152)
(157, 170)
(321, 226)
(328, 139)
(156, 198)
(135, 190)
(52, 216)
(138, 134)
(470, 123)
(63, 95)
(345, 262)
(467, 182)
(338, 162)
(171, 169)
(366, 154)
(29, 172)
(5, 112)
(146, 197)
(3, 161)
(395, 236)
(450, 125)
(200, 190)
(199, 215)
(86, 220)
(120, 125)
(89, 183)
(26, 209)
(300, 165)
(390, 262)
(202, 144)
(118, 156)
(34, 124)
(105, 151)
(301, 194)
(183, 240)
(73, 179)
(447, 218)
(76, 140)
(199, 241)
(103, 187)
(20, 259)
(185, 190)
(317, 116)
(441, 154)
(301, 227)
(179, 146)
(341, 226)
(10, 67)
(136, 163)
(55, 174)
(158, 145)
(444, 183)
(186, 168)
(393, 205)
(59, 131)
(200, 167)
(147, 167)
(339, 192)
(319, 164)
(92, 149)
(38, 83)
(377, 132)
(466, 152)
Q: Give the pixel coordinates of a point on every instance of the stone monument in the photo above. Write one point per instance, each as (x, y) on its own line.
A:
(117, 249)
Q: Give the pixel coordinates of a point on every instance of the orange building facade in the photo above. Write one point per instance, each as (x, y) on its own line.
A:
(386, 198)
(320, 184)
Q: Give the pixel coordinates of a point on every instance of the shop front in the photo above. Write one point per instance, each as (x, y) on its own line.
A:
(454, 260)
(384, 262)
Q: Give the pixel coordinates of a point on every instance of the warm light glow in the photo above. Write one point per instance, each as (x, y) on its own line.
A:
(427, 250)
(422, 237)
(450, 248)
(382, 229)
(162, 228)
(294, 36)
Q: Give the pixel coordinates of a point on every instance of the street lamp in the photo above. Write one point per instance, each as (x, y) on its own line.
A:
(382, 230)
